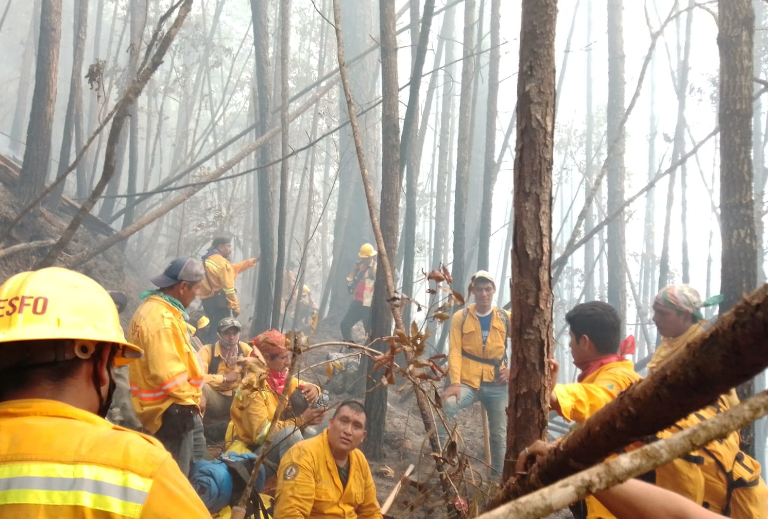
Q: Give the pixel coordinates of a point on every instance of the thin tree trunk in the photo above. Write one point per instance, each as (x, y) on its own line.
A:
(37, 154)
(285, 53)
(265, 294)
(738, 266)
(617, 287)
(486, 209)
(527, 414)
(21, 108)
(464, 146)
(589, 161)
(74, 103)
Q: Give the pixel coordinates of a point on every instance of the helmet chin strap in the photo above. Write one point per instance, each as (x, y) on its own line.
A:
(225, 343)
(104, 403)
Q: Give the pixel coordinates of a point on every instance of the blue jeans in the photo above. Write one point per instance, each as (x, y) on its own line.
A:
(494, 399)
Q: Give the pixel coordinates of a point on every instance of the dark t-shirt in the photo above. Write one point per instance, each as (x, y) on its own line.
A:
(344, 474)
(485, 325)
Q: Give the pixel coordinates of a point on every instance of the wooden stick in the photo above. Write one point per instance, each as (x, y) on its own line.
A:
(392, 495)
(617, 470)
(487, 442)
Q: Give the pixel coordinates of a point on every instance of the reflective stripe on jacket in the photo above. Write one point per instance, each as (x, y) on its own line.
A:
(169, 372)
(254, 407)
(220, 275)
(57, 461)
(216, 380)
(466, 334)
(309, 487)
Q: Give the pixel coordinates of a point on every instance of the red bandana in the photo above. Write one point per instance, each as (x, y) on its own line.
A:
(587, 368)
(276, 380)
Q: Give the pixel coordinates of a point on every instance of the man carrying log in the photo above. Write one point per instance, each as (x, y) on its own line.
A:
(732, 482)
(595, 332)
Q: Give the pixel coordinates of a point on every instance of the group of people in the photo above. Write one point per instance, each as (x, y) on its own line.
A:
(61, 339)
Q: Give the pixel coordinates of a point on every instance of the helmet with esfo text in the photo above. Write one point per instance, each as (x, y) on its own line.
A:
(367, 251)
(53, 304)
(305, 291)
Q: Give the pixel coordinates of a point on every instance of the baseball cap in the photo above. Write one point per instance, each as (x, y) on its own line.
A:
(227, 323)
(484, 274)
(178, 270)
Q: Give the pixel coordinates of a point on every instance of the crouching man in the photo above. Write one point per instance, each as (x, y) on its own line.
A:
(327, 476)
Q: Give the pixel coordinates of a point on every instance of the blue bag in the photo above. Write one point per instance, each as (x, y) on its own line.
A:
(221, 481)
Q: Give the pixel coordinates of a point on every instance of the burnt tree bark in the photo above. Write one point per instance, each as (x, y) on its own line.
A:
(738, 271)
(37, 154)
(391, 183)
(527, 414)
(617, 287)
(263, 312)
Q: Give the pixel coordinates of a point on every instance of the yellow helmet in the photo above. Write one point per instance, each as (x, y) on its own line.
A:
(305, 291)
(203, 322)
(367, 251)
(56, 303)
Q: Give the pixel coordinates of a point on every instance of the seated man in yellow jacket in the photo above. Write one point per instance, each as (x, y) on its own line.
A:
(223, 363)
(217, 292)
(732, 482)
(477, 363)
(327, 477)
(166, 382)
(60, 338)
(595, 342)
(254, 405)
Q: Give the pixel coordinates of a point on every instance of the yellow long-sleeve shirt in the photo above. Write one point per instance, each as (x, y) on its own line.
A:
(581, 400)
(169, 372)
(254, 407)
(309, 487)
(216, 380)
(220, 275)
(60, 462)
(469, 337)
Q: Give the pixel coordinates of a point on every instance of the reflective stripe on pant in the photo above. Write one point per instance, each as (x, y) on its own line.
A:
(494, 398)
(58, 484)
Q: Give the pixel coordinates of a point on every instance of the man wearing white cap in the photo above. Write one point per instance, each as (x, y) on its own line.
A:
(477, 362)
(166, 382)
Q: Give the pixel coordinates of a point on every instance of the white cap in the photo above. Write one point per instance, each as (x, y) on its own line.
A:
(484, 274)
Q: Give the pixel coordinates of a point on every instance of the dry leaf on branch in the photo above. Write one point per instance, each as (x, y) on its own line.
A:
(385, 471)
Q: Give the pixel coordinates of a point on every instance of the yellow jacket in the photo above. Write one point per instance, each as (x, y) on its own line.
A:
(469, 338)
(581, 400)
(254, 407)
(216, 380)
(308, 484)
(220, 275)
(169, 372)
(60, 462)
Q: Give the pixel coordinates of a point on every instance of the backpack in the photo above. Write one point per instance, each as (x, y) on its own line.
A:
(222, 481)
(496, 363)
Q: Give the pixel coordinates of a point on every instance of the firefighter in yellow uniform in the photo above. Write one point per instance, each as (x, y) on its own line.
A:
(360, 284)
(60, 338)
(218, 291)
(327, 477)
(732, 482)
(166, 382)
(595, 329)
(254, 405)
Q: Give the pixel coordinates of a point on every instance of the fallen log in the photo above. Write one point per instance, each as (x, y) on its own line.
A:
(731, 352)
(617, 470)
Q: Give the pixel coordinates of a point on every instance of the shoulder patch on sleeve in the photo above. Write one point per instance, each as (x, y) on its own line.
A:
(290, 472)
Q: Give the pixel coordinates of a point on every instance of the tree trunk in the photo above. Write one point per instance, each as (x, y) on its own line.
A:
(74, 103)
(589, 162)
(21, 108)
(37, 154)
(391, 182)
(285, 52)
(464, 146)
(486, 209)
(527, 414)
(738, 271)
(617, 287)
(649, 232)
(263, 297)
(758, 152)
